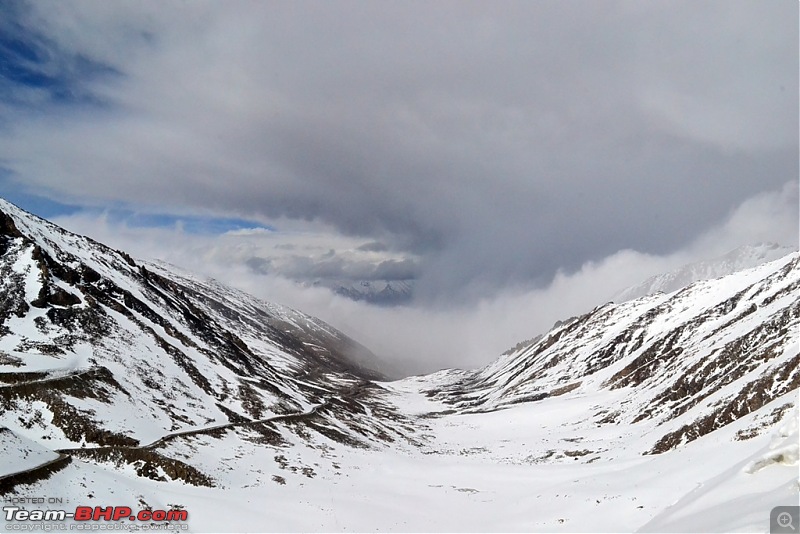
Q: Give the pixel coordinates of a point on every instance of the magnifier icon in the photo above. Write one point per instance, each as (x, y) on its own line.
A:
(785, 520)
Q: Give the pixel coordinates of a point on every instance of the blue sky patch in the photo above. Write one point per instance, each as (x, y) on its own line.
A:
(36, 204)
(34, 70)
(188, 223)
(48, 208)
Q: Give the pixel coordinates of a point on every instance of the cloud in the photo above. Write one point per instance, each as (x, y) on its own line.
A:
(299, 255)
(487, 146)
(771, 216)
(426, 337)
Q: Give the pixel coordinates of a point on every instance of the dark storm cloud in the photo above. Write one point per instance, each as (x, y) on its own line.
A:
(333, 267)
(496, 141)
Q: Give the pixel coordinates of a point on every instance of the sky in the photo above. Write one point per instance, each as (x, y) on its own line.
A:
(519, 161)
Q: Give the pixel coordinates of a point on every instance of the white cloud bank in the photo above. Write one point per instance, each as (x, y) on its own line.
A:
(424, 338)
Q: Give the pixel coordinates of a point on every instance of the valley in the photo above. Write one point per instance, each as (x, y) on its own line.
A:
(127, 383)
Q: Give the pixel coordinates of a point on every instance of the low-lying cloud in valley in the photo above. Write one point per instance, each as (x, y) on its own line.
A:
(423, 337)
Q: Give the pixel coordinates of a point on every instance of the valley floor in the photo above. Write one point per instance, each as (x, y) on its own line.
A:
(532, 467)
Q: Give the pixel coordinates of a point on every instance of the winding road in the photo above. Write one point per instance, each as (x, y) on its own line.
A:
(10, 481)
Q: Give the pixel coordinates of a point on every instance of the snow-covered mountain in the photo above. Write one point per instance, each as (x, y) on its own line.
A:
(740, 258)
(684, 364)
(131, 384)
(145, 350)
(380, 292)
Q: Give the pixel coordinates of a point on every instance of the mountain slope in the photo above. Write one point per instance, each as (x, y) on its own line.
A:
(96, 349)
(687, 362)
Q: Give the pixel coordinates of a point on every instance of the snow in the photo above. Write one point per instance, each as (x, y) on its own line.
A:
(739, 498)
(701, 487)
(18, 453)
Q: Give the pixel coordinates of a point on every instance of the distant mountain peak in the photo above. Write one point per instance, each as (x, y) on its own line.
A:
(737, 259)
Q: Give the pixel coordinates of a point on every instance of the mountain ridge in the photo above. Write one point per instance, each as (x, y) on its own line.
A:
(637, 344)
(112, 319)
(740, 258)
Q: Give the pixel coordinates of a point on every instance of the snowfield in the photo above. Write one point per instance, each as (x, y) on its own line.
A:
(469, 484)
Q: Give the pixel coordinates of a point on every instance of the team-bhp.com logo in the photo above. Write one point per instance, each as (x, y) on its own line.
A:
(96, 513)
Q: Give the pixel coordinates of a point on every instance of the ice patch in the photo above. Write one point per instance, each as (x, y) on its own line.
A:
(785, 448)
(787, 455)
